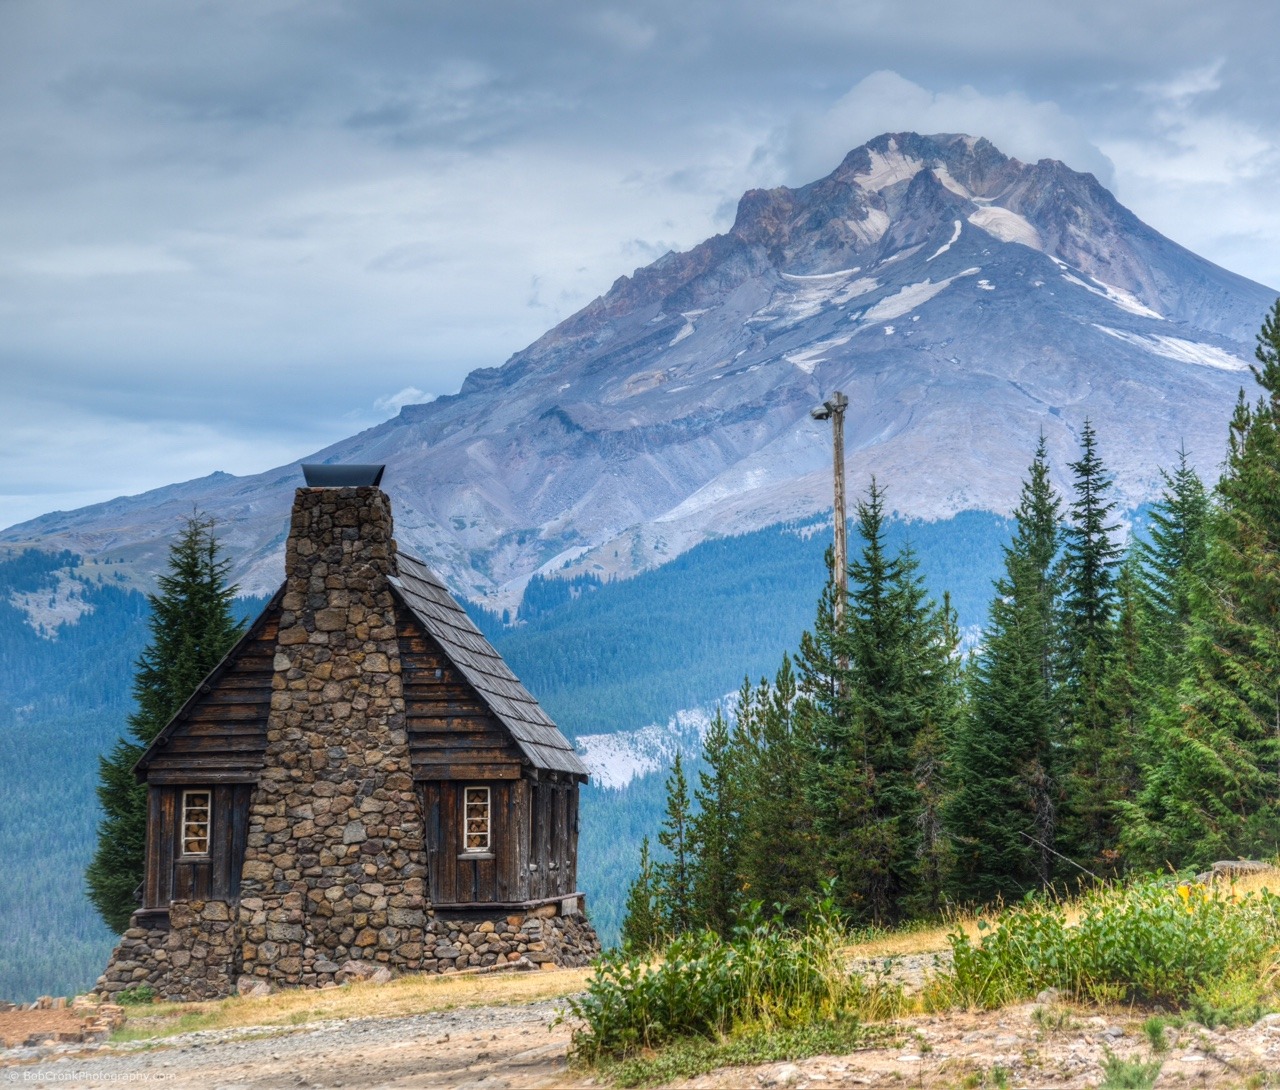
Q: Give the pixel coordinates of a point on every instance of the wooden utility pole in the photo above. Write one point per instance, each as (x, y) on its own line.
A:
(833, 409)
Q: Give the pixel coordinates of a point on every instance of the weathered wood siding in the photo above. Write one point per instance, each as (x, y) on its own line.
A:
(452, 734)
(224, 735)
(453, 876)
(170, 875)
(552, 848)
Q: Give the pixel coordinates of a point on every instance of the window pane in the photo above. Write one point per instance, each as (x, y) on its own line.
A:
(195, 823)
(477, 819)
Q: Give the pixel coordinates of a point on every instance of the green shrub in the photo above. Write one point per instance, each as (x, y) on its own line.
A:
(1118, 1074)
(767, 976)
(1150, 942)
(137, 995)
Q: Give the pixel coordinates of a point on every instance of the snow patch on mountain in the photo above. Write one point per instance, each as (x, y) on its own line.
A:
(1118, 296)
(888, 168)
(907, 299)
(1006, 226)
(944, 176)
(687, 329)
(871, 228)
(948, 244)
(614, 760)
(809, 358)
(812, 295)
(1175, 348)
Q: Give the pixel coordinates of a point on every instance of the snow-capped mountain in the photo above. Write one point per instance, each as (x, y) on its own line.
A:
(963, 300)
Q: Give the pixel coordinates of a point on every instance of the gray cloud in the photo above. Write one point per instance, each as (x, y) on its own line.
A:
(227, 230)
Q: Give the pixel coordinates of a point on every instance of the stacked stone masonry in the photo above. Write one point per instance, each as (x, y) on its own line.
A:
(199, 957)
(196, 957)
(335, 864)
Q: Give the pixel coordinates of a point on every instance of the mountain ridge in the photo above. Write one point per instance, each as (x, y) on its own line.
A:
(965, 301)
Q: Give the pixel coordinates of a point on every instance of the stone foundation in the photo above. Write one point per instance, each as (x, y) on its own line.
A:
(199, 956)
(547, 936)
(196, 957)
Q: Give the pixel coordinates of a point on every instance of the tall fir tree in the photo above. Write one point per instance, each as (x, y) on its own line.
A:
(1089, 830)
(716, 832)
(870, 813)
(192, 628)
(769, 755)
(1002, 811)
(1212, 789)
(1171, 562)
(673, 876)
(942, 706)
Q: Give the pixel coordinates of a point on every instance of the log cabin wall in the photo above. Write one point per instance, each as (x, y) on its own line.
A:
(172, 875)
(552, 842)
(221, 733)
(452, 733)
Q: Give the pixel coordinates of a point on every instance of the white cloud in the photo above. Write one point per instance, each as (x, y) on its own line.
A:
(887, 102)
(393, 403)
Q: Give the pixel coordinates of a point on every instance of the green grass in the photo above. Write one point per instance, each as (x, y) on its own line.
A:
(1154, 942)
(693, 1056)
(768, 976)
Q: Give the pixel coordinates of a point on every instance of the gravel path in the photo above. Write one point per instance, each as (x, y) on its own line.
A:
(491, 1047)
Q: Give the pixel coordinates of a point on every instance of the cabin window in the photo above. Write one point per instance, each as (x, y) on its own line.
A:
(195, 823)
(479, 820)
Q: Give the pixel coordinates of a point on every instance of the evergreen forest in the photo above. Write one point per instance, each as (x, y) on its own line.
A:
(1120, 715)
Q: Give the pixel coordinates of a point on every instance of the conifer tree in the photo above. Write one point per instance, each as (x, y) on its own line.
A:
(1212, 791)
(673, 877)
(894, 652)
(715, 832)
(770, 753)
(1171, 561)
(942, 707)
(642, 924)
(1089, 822)
(192, 628)
(1002, 812)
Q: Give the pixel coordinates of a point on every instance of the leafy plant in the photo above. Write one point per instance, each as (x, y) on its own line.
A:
(137, 995)
(1121, 1074)
(1151, 942)
(766, 977)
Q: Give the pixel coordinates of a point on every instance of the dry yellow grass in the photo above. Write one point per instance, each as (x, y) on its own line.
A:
(405, 996)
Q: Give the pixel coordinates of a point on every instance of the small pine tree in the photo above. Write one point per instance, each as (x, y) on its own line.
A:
(715, 832)
(642, 925)
(673, 877)
(192, 628)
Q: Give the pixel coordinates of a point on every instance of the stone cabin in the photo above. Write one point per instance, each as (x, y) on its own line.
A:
(361, 784)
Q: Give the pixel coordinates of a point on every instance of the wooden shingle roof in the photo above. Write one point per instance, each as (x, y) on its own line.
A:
(538, 738)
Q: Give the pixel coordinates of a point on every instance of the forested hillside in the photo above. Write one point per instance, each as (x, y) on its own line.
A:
(601, 657)
(620, 655)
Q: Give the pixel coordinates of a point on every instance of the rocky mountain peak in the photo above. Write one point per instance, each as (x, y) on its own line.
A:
(965, 301)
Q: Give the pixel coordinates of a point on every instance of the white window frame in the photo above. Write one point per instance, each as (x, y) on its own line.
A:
(467, 847)
(208, 821)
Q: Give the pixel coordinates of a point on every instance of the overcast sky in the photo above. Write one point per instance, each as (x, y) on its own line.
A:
(232, 232)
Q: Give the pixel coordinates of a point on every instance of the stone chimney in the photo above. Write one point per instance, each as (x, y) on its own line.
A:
(335, 865)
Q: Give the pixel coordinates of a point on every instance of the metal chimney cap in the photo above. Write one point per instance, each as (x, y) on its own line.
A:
(341, 476)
